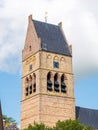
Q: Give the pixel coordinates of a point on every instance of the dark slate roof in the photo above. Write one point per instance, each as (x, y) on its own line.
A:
(11, 127)
(87, 116)
(52, 38)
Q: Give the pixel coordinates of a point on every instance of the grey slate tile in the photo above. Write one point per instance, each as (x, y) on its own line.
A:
(87, 116)
(52, 39)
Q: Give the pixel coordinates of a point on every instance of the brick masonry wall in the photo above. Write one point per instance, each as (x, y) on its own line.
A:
(29, 111)
(54, 108)
(47, 109)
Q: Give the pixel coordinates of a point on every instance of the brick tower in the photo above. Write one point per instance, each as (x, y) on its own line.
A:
(47, 77)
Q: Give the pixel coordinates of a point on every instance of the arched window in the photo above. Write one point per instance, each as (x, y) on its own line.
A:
(27, 91)
(56, 83)
(49, 82)
(30, 78)
(63, 85)
(34, 85)
(27, 86)
(30, 84)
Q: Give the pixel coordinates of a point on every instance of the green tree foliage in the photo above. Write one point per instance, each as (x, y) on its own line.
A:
(70, 125)
(8, 120)
(61, 125)
(38, 127)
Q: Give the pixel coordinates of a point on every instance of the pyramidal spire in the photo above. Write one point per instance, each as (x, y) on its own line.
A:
(1, 120)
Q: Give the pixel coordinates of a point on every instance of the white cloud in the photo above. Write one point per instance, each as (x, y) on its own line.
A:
(80, 24)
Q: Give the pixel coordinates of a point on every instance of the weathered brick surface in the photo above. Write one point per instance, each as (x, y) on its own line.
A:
(32, 42)
(29, 111)
(55, 108)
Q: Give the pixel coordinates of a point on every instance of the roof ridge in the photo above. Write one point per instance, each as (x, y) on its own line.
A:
(45, 22)
(87, 108)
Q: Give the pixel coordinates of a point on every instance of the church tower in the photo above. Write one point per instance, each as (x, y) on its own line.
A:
(47, 77)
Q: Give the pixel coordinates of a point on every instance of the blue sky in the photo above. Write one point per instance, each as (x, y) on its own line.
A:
(80, 25)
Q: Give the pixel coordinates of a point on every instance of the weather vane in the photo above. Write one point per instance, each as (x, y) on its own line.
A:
(46, 17)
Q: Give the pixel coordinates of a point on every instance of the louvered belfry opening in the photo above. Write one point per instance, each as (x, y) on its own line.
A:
(49, 82)
(30, 80)
(27, 86)
(56, 83)
(34, 85)
(63, 85)
(30, 84)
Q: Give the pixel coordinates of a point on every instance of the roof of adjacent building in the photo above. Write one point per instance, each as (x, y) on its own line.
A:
(52, 38)
(11, 127)
(87, 116)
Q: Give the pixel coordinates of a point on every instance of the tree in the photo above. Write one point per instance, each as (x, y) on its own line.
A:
(38, 127)
(70, 125)
(61, 125)
(8, 120)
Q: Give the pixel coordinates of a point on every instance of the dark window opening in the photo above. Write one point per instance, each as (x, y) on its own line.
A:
(31, 89)
(56, 83)
(49, 82)
(34, 90)
(63, 85)
(56, 64)
(49, 85)
(34, 86)
(30, 77)
(27, 91)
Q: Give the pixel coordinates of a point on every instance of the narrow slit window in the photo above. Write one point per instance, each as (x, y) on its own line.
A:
(34, 85)
(63, 85)
(30, 67)
(49, 82)
(27, 92)
(31, 89)
(56, 83)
